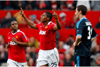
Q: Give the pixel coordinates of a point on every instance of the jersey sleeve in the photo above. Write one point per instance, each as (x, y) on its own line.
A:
(94, 34)
(52, 26)
(24, 38)
(79, 28)
(37, 26)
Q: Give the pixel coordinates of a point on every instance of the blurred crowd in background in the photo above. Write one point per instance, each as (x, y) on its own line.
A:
(66, 49)
(48, 5)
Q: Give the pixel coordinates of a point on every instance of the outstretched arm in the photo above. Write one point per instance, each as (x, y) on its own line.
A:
(30, 23)
(57, 26)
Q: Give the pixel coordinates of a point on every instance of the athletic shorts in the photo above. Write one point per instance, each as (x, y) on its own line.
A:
(82, 61)
(12, 63)
(49, 57)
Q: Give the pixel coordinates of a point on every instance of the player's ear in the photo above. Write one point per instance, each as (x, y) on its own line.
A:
(80, 12)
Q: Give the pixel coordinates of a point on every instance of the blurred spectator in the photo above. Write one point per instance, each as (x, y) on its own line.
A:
(96, 61)
(5, 22)
(57, 37)
(67, 60)
(98, 24)
(95, 5)
(64, 20)
(42, 5)
(70, 40)
(29, 5)
(3, 54)
(61, 48)
(34, 19)
(98, 39)
(0, 4)
(85, 3)
(74, 21)
(31, 62)
(74, 5)
(33, 42)
(6, 5)
(55, 4)
(30, 54)
(79, 2)
(17, 4)
(97, 48)
(61, 51)
(61, 62)
(71, 52)
(66, 5)
(2, 42)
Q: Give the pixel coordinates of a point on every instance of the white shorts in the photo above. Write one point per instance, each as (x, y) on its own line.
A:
(50, 57)
(12, 63)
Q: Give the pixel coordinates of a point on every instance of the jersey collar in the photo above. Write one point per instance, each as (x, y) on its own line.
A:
(15, 32)
(49, 22)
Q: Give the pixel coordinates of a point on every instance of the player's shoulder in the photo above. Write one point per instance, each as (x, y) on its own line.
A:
(9, 33)
(21, 32)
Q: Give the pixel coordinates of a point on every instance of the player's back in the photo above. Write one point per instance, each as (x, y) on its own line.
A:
(84, 29)
(16, 52)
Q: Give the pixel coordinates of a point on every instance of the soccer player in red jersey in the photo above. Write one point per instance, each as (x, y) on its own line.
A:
(48, 54)
(16, 42)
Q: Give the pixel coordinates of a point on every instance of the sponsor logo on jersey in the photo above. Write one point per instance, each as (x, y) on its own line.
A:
(13, 43)
(42, 32)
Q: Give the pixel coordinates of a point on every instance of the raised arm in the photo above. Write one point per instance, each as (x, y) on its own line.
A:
(57, 26)
(30, 23)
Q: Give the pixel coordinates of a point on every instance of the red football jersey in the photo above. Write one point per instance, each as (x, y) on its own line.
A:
(17, 52)
(47, 36)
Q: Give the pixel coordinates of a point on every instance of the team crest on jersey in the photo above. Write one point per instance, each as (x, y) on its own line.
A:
(8, 64)
(16, 36)
(46, 27)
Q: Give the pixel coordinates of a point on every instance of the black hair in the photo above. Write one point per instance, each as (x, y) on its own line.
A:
(82, 8)
(49, 15)
(12, 21)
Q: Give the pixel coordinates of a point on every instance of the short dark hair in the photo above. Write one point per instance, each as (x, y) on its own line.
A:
(12, 21)
(82, 8)
(49, 15)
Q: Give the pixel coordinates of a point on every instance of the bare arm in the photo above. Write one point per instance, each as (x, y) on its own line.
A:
(58, 26)
(93, 39)
(77, 41)
(30, 23)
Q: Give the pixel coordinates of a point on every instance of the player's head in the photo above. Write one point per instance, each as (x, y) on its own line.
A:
(80, 10)
(14, 25)
(47, 16)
